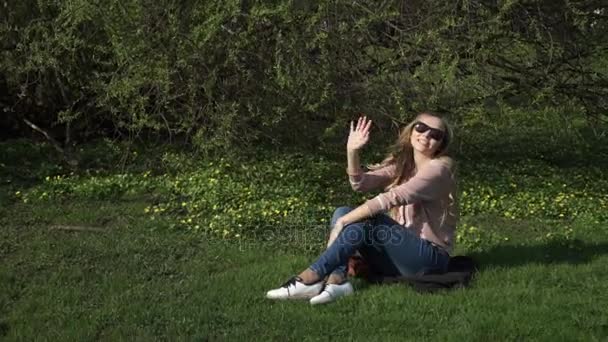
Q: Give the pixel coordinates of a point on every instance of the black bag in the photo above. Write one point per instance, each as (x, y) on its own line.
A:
(461, 270)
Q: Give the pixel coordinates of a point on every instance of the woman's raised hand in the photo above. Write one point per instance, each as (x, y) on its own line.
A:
(359, 135)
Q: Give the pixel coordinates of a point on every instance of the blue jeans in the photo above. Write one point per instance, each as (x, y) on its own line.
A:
(388, 248)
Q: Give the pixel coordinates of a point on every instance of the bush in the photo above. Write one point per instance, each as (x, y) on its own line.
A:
(225, 74)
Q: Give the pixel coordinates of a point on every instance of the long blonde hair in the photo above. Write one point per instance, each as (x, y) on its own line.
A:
(401, 153)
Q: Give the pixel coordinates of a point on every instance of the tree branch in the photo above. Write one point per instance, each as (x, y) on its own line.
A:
(46, 135)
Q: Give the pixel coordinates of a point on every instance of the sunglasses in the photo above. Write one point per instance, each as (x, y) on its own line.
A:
(435, 133)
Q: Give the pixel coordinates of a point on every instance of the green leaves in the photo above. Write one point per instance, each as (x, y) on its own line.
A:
(531, 189)
(221, 75)
(278, 195)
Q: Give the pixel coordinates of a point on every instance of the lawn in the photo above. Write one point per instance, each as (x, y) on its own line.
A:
(144, 255)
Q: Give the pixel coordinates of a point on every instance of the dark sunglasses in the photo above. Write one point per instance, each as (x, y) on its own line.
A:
(435, 133)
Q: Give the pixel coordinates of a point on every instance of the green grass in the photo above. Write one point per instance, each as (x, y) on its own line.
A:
(141, 281)
(148, 276)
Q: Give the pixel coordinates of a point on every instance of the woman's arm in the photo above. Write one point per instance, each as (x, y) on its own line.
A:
(357, 138)
(358, 214)
(353, 163)
(429, 183)
(364, 181)
(372, 180)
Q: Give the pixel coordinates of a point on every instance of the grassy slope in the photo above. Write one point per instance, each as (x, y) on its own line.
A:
(142, 280)
(136, 281)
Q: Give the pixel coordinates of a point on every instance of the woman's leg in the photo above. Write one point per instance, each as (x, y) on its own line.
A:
(309, 283)
(334, 260)
(394, 250)
(339, 274)
(389, 248)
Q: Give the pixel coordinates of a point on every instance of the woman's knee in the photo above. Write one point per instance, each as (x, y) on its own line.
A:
(339, 212)
(354, 234)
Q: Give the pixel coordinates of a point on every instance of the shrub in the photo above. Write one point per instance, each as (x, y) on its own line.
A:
(225, 74)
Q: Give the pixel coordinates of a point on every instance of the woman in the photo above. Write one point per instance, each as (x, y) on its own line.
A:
(417, 234)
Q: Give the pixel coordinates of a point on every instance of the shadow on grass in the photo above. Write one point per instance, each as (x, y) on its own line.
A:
(576, 252)
(573, 252)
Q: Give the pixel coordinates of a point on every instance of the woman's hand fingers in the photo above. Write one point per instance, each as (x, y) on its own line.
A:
(367, 127)
(362, 123)
(359, 133)
(359, 123)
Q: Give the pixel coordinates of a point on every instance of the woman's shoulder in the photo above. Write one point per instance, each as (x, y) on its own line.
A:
(443, 162)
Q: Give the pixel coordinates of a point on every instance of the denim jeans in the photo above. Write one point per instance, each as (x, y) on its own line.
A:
(388, 248)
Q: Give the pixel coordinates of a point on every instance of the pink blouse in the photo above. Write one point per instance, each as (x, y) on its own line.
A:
(426, 202)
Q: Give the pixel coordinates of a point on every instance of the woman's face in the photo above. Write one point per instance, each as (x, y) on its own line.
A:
(427, 135)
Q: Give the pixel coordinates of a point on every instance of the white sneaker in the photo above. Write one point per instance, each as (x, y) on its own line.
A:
(295, 289)
(332, 292)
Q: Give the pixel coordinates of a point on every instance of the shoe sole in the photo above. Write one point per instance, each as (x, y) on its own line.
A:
(332, 298)
(293, 297)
